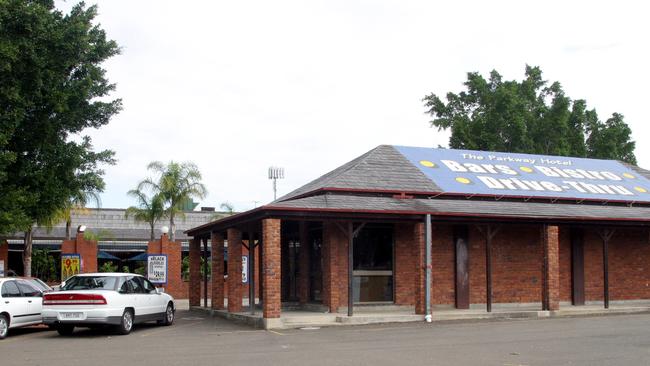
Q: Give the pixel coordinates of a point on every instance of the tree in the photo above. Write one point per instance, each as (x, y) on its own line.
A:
(177, 183)
(149, 210)
(227, 207)
(530, 116)
(52, 88)
(78, 203)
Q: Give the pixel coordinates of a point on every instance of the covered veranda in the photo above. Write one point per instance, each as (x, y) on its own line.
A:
(313, 266)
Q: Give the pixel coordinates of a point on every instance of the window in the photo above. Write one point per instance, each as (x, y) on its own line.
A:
(136, 285)
(10, 289)
(90, 283)
(146, 285)
(27, 289)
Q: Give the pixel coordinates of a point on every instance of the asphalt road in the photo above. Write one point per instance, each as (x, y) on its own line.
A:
(195, 340)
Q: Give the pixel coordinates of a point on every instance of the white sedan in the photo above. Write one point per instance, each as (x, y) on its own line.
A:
(20, 304)
(117, 299)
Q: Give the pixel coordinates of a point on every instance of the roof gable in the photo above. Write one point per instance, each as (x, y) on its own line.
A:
(380, 169)
(401, 169)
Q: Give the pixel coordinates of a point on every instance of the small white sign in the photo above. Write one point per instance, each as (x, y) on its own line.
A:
(2, 268)
(157, 268)
(244, 269)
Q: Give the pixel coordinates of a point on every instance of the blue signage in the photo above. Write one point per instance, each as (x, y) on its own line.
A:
(523, 175)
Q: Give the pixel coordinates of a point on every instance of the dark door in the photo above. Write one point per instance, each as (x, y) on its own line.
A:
(462, 266)
(315, 266)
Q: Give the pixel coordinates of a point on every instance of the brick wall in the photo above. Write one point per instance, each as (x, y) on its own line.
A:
(235, 290)
(173, 251)
(407, 267)
(332, 240)
(87, 249)
(565, 264)
(629, 265)
(4, 254)
(271, 268)
(442, 265)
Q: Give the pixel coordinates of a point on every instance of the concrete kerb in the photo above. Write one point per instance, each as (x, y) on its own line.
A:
(300, 319)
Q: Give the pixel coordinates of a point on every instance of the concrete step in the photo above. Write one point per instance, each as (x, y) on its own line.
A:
(378, 318)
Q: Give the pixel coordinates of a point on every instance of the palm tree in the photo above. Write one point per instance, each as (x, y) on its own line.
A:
(227, 207)
(77, 203)
(149, 210)
(177, 183)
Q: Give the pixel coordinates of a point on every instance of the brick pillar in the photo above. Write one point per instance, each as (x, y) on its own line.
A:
(329, 251)
(406, 265)
(303, 264)
(4, 255)
(87, 250)
(272, 268)
(234, 271)
(217, 271)
(551, 248)
(172, 249)
(195, 272)
(420, 265)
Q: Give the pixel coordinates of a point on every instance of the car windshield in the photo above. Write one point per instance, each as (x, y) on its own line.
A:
(90, 283)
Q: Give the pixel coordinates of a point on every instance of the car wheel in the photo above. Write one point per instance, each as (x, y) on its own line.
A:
(126, 323)
(4, 326)
(65, 330)
(169, 315)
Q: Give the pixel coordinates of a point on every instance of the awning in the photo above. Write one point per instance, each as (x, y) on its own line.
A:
(142, 257)
(104, 255)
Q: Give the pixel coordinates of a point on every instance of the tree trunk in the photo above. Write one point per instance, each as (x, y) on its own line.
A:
(172, 227)
(152, 233)
(27, 254)
(68, 229)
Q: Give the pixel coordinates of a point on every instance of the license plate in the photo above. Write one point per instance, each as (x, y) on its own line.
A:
(75, 315)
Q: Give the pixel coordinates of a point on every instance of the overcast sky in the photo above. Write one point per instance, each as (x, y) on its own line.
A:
(238, 86)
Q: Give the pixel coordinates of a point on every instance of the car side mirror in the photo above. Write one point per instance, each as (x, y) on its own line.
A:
(160, 290)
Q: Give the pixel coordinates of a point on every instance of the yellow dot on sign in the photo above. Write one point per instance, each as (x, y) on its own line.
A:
(463, 180)
(427, 163)
(641, 189)
(628, 175)
(526, 169)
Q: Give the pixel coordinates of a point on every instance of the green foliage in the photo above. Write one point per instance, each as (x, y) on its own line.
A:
(176, 184)
(45, 265)
(149, 210)
(102, 234)
(185, 268)
(108, 267)
(140, 270)
(52, 88)
(530, 116)
(125, 269)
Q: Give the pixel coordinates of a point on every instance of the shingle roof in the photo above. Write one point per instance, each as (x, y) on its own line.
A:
(381, 169)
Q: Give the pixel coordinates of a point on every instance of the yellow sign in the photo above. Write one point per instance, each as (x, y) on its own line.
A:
(70, 265)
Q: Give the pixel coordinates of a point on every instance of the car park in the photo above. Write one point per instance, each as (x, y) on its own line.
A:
(119, 300)
(20, 304)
